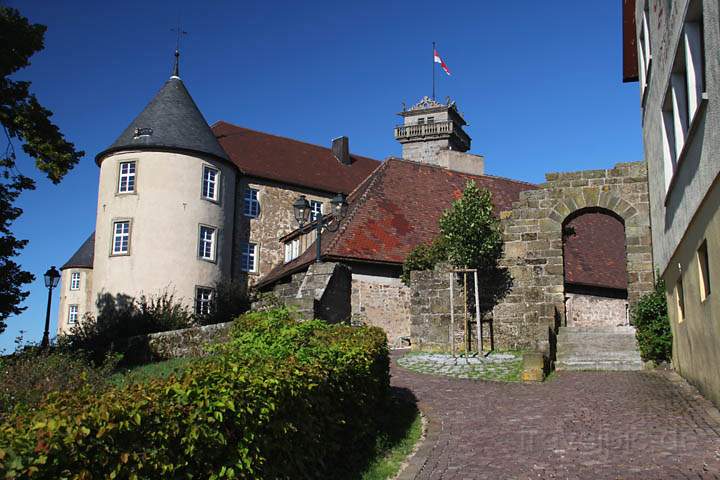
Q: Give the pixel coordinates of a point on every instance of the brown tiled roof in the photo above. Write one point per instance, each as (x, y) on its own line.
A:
(594, 251)
(291, 161)
(395, 209)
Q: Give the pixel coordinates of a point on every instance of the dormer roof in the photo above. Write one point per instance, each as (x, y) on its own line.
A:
(170, 122)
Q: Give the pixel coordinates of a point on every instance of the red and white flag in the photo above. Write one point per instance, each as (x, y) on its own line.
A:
(440, 61)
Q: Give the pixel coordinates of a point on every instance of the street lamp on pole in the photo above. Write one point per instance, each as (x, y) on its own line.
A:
(52, 277)
(329, 222)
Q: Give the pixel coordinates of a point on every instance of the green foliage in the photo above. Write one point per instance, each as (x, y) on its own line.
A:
(150, 371)
(25, 119)
(28, 375)
(303, 412)
(471, 230)
(424, 257)
(470, 237)
(229, 300)
(122, 317)
(650, 317)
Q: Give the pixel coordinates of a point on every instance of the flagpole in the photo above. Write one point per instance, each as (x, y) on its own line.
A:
(433, 71)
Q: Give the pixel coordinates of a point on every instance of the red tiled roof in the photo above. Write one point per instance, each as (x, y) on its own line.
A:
(594, 253)
(290, 161)
(397, 208)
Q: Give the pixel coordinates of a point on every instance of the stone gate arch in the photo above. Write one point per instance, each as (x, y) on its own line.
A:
(532, 230)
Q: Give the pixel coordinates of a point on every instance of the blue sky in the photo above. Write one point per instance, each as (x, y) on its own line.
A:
(538, 82)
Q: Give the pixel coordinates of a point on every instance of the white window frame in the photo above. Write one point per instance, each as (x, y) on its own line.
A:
(127, 180)
(249, 257)
(644, 49)
(296, 248)
(74, 280)
(120, 234)
(251, 203)
(315, 208)
(204, 297)
(207, 243)
(73, 313)
(210, 186)
(685, 92)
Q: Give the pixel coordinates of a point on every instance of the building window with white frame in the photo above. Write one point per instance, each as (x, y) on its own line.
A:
(203, 300)
(211, 177)
(248, 261)
(75, 281)
(316, 209)
(251, 206)
(644, 51)
(72, 314)
(121, 237)
(685, 92)
(292, 250)
(207, 243)
(126, 180)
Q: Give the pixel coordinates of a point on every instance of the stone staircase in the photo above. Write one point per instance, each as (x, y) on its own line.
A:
(597, 348)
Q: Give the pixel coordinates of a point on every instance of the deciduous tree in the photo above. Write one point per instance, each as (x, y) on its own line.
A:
(26, 121)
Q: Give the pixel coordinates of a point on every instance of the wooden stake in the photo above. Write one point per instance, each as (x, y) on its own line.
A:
(452, 315)
(477, 314)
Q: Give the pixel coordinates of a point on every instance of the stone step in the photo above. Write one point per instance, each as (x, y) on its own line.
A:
(599, 348)
(606, 365)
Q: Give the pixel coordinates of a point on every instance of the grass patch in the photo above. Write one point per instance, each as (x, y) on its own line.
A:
(400, 430)
(144, 373)
(499, 370)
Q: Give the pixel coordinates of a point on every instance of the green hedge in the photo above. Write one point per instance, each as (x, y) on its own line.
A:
(280, 400)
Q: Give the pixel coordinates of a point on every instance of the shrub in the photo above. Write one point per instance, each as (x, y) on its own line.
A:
(121, 317)
(650, 317)
(281, 400)
(424, 257)
(229, 300)
(28, 375)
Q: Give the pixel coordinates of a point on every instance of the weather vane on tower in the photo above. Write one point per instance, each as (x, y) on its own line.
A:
(180, 32)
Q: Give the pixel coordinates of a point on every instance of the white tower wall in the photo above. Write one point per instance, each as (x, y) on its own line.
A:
(165, 211)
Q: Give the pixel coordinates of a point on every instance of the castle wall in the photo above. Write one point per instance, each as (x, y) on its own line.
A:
(165, 212)
(275, 220)
(535, 306)
(383, 302)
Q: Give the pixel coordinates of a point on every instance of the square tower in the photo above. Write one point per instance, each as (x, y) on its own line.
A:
(429, 127)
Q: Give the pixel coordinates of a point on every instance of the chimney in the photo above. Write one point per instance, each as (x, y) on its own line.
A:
(341, 149)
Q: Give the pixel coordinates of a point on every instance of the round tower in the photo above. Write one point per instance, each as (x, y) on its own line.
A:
(166, 203)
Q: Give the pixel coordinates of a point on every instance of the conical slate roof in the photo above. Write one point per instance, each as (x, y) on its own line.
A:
(171, 121)
(84, 256)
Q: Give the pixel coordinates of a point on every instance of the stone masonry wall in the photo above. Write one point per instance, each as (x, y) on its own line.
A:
(276, 219)
(533, 309)
(595, 311)
(322, 292)
(430, 320)
(383, 302)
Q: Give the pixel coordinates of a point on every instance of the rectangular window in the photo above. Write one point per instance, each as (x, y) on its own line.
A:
(430, 120)
(680, 299)
(121, 237)
(296, 248)
(288, 252)
(248, 263)
(252, 205)
(644, 52)
(206, 244)
(203, 300)
(704, 270)
(316, 209)
(421, 121)
(126, 183)
(72, 315)
(75, 281)
(210, 183)
(693, 45)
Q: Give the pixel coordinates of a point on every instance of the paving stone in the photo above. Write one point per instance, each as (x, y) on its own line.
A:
(578, 425)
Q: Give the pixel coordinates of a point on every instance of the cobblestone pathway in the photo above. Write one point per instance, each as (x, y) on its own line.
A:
(578, 425)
